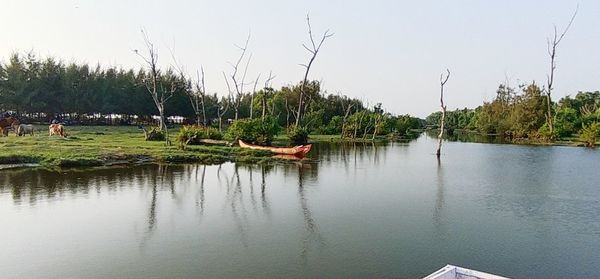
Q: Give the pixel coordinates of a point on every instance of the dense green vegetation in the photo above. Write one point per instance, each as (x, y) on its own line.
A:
(520, 115)
(43, 89)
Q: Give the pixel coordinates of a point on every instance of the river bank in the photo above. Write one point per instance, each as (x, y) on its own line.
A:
(94, 146)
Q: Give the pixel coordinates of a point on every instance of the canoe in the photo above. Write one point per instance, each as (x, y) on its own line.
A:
(456, 272)
(298, 151)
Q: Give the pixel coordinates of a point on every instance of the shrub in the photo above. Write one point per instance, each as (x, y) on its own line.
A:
(566, 121)
(590, 134)
(297, 135)
(542, 134)
(334, 127)
(257, 130)
(155, 134)
(191, 134)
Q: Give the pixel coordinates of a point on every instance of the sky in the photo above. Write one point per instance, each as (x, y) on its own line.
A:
(391, 52)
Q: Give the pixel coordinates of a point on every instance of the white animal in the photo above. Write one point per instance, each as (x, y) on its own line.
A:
(25, 129)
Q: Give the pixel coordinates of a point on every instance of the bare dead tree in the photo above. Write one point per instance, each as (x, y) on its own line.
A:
(552, 46)
(194, 92)
(443, 81)
(224, 107)
(252, 96)
(347, 108)
(589, 109)
(367, 129)
(152, 83)
(160, 94)
(238, 85)
(361, 116)
(378, 120)
(198, 98)
(314, 50)
(287, 116)
(266, 89)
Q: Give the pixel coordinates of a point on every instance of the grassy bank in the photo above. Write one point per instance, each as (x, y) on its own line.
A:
(88, 146)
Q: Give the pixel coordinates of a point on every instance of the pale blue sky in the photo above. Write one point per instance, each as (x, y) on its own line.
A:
(382, 51)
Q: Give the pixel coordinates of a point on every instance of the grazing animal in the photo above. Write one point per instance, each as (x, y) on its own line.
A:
(25, 130)
(6, 123)
(56, 129)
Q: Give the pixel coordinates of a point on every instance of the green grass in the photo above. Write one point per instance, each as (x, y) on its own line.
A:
(90, 146)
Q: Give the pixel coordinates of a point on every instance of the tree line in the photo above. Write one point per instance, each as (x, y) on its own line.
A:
(521, 114)
(45, 88)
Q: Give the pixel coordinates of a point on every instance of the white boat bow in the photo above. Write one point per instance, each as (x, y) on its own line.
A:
(456, 272)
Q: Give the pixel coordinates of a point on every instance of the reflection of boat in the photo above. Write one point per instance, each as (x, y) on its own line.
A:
(298, 151)
(287, 157)
(455, 272)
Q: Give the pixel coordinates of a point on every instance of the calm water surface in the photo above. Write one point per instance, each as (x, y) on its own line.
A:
(386, 211)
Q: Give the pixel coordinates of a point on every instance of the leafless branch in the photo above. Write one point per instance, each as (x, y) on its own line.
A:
(269, 79)
(314, 50)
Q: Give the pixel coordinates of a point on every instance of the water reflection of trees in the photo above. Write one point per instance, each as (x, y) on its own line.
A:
(32, 185)
(245, 187)
(467, 136)
(238, 193)
(312, 236)
(351, 153)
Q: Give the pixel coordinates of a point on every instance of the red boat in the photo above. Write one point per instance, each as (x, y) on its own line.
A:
(298, 151)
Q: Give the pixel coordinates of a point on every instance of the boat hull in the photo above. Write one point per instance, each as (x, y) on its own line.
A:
(298, 151)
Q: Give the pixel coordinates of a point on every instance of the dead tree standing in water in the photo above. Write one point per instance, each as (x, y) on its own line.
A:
(552, 45)
(313, 49)
(443, 106)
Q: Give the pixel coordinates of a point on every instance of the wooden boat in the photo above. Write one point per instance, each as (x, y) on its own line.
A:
(298, 151)
(456, 272)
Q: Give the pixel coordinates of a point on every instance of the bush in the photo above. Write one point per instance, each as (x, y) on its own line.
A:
(191, 134)
(542, 134)
(566, 121)
(334, 127)
(155, 134)
(255, 130)
(590, 134)
(298, 135)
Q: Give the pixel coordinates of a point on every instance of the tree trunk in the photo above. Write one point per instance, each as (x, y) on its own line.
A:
(251, 104)
(344, 121)
(443, 118)
(203, 112)
(264, 106)
(314, 49)
(441, 134)
(375, 128)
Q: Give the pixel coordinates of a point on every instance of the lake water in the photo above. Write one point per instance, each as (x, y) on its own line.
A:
(368, 211)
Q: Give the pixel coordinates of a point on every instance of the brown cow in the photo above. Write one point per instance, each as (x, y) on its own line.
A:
(56, 129)
(6, 123)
